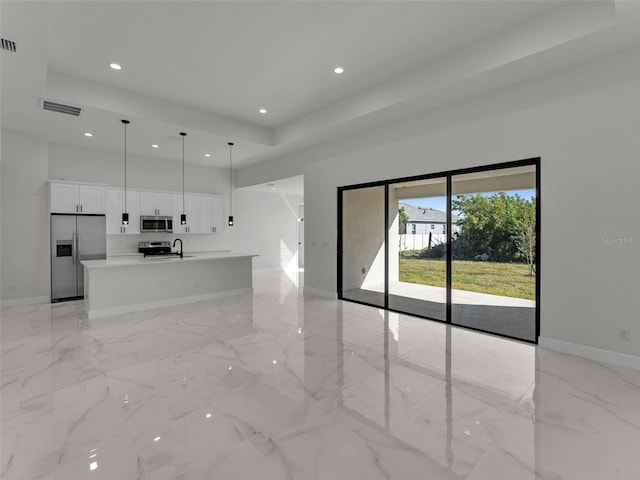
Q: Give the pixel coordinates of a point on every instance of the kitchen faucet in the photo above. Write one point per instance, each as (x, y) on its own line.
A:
(174, 244)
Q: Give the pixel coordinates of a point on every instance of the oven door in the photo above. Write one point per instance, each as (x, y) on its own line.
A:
(153, 224)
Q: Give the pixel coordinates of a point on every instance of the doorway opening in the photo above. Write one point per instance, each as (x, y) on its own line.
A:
(269, 223)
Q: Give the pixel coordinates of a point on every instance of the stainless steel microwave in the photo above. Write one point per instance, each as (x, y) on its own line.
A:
(156, 224)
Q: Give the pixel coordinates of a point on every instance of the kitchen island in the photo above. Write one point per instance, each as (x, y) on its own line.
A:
(126, 284)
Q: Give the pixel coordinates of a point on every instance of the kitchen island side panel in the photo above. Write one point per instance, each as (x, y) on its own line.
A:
(139, 286)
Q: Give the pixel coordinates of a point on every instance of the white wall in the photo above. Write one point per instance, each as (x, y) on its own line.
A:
(363, 238)
(426, 228)
(88, 165)
(582, 122)
(25, 222)
(267, 224)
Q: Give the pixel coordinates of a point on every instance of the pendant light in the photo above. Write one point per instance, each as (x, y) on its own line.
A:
(230, 187)
(125, 215)
(183, 217)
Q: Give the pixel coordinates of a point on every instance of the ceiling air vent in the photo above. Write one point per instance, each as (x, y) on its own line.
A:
(61, 108)
(8, 45)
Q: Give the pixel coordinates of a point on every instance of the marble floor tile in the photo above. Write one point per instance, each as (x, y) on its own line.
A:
(279, 385)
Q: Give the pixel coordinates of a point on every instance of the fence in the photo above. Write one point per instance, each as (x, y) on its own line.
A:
(421, 241)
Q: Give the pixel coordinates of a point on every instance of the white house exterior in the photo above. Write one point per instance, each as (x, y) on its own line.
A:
(425, 220)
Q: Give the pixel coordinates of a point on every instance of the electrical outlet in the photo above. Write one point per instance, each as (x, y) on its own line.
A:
(625, 334)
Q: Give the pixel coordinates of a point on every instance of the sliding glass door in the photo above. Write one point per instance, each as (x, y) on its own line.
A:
(459, 247)
(363, 245)
(418, 247)
(493, 251)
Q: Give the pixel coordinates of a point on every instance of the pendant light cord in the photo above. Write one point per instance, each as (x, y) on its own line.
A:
(125, 167)
(183, 174)
(230, 181)
(183, 134)
(125, 123)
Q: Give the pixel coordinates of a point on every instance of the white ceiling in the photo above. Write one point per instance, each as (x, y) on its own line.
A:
(284, 186)
(206, 67)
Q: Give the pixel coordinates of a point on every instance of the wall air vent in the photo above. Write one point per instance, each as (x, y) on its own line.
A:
(8, 45)
(61, 108)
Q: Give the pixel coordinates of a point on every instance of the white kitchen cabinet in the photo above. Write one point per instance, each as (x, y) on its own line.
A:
(218, 214)
(204, 212)
(211, 219)
(156, 203)
(91, 199)
(66, 197)
(191, 209)
(115, 207)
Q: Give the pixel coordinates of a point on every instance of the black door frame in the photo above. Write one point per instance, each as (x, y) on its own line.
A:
(448, 175)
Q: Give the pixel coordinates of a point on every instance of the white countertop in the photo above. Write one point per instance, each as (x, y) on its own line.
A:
(122, 261)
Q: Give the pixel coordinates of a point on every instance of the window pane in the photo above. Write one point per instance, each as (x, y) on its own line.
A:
(417, 251)
(493, 251)
(363, 245)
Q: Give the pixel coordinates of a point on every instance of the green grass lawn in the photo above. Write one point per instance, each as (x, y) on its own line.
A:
(508, 279)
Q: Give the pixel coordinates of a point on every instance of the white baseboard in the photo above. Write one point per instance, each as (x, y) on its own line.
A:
(592, 353)
(18, 302)
(320, 293)
(136, 307)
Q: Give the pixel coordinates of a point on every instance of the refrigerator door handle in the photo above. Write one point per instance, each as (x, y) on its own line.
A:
(74, 248)
(78, 248)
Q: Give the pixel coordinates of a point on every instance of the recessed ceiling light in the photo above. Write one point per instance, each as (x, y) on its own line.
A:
(115, 66)
(207, 155)
(155, 146)
(338, 70)
(88, 134)
(262, 111)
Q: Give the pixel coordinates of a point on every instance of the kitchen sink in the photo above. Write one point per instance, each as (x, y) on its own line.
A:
(167, 257)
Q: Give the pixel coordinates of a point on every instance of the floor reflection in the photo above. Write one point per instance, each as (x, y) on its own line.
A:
(279, 385)
(483, 406)
(433, 387)
(506, 316)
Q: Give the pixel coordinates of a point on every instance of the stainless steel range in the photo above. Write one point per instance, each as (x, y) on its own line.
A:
(156, 248)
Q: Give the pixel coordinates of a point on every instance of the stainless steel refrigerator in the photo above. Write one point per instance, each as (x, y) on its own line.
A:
(74, 238)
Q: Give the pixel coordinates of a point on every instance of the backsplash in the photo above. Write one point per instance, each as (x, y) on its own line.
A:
(192, 242)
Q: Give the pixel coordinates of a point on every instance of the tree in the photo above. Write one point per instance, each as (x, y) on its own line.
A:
(402, 224)
(498, 225)
(526, 237)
